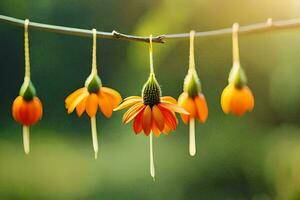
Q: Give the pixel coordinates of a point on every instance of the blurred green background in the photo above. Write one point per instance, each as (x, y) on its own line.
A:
(253, 157)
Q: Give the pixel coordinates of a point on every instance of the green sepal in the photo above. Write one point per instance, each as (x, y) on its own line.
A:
(151, 92)
(93, 83)
(192, 84)
(27, 90)
(237, 76)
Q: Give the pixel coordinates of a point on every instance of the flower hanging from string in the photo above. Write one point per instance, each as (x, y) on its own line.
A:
(237, 97)
(151, 113)
(192, 99)
(92, 96)
(27, 108)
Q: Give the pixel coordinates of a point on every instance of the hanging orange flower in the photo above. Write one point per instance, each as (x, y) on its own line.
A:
(151, 112)
(27, 112)
(84, 100)
(93, 96)
(192, 99)
(27, 108)
(237, 100)
(237, 97)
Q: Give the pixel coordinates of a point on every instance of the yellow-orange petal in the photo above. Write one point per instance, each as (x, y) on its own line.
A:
(201, 107)
(174, 108)
(114, 96)
(73, 96)
(132, 97)
(92, 104)
(147, 120)
(76, 101)
(80, 108)
(15, 108)
(105, 105)
(158, 118)
(128, 102)
(168, 99)
(226, 98)
(133, 112)
(188, 104)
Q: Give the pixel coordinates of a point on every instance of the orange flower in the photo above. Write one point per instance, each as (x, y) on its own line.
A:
(27, 108)
(158, 117)
(27, 112)
(237, 100)
(196, 106)
(105, 98)
(93, 96)
(151, 112)
(89, 99)
(192, 99)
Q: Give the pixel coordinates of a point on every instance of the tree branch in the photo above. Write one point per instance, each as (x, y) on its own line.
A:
(77, 31)
(269, 25)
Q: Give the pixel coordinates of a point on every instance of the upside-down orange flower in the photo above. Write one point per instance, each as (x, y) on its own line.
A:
(93, 96)
(151, 112)
(237, 97)
(192, 99)
(27, 108)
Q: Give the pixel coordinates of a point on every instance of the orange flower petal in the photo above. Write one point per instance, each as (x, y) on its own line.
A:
(169, 117)
(76, 101)
(114, 96)
(38, 109)
(137, 123)
(147, 120)
(242, 100)
(80, 108)
(174, 108)
(168, 99)
(24, 113)
(154, 128)
(249, 98)
(105, 105)
(133, 112)
(201, 107)
(73, 96)
(158, 117)
(185, 118)
(188, 104)
(92, 104)
(128, 102)
(166, 130)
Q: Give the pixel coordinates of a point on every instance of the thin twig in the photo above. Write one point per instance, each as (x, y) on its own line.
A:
(269, 25)
(77, 31)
